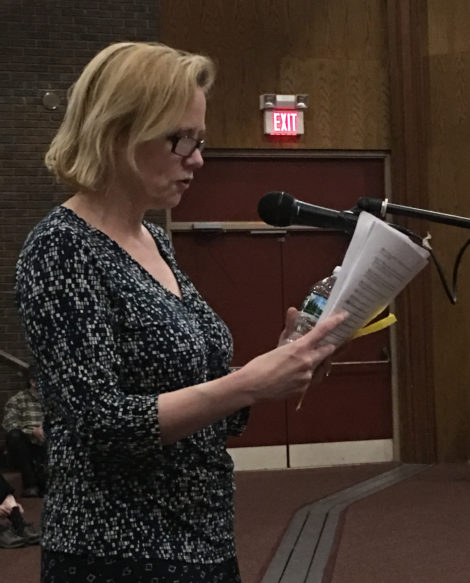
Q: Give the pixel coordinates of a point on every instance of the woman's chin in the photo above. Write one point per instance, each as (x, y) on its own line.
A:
(169, 203)
(173, 201)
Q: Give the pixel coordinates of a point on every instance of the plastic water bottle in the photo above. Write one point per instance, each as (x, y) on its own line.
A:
(313, 305)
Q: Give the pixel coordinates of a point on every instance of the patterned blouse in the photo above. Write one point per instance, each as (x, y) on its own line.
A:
(108, 339)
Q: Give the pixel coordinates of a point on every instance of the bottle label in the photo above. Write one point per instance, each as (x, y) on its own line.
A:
(314, 305)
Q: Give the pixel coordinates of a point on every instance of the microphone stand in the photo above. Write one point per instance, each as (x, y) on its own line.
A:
(384, 207)
(375, 205)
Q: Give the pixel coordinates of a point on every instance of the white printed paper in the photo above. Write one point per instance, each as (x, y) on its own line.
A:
(379, 262)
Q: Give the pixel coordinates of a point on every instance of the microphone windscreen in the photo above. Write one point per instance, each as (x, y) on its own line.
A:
(276, 208)
(371, 205)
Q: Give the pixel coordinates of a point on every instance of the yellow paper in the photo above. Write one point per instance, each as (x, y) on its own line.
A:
(376, 326)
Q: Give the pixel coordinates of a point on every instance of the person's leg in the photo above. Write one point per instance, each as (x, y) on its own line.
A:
(40, 466)
(8, 537)
(25, 530)
(5, 489)
(20, 456)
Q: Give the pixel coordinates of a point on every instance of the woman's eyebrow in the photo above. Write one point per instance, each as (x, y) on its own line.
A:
(190, 131)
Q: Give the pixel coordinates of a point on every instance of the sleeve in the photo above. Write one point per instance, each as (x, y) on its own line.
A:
(10, 417)
(66, 311)
(30, 423)
(236, 423)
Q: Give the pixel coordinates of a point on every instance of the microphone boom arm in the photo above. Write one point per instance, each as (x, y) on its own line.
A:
(383, 207)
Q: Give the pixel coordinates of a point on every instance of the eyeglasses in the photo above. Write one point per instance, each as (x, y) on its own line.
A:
(185, 145)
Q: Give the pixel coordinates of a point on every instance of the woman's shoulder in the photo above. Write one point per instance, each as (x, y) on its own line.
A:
(59, 222)
(60, 230)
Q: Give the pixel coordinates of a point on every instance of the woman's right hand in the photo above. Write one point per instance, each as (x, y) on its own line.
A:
(279, 374)
(287, 370)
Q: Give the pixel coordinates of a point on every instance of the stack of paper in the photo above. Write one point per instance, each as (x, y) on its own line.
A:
(379, 262)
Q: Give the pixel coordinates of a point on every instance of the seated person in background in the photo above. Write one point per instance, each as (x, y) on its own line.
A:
(25, 438)
(14, 530)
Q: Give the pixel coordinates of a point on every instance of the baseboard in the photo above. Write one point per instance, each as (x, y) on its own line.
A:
(312, 455)
(270, 457)
(340, 453)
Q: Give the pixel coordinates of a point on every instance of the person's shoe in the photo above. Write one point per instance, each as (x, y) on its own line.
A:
(31, 536)
(32, 492)
(24, 530)
(9, 539)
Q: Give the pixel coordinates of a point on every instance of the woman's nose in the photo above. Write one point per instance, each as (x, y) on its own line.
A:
(195, 160)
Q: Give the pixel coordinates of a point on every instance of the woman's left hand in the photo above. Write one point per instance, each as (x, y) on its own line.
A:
(323, 369)
(289, 325)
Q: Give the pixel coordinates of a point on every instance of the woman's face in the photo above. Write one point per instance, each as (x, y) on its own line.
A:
(164, 176)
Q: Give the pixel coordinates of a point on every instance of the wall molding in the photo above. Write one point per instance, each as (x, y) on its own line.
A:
(312, 455)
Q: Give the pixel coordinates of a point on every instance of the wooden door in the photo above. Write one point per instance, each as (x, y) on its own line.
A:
(251, 273)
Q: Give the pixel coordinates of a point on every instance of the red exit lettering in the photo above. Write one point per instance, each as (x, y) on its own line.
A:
(284, 123)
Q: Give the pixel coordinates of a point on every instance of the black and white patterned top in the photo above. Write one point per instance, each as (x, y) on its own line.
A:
(108, 338)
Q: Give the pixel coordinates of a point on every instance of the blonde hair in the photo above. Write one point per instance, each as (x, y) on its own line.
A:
(131, 91)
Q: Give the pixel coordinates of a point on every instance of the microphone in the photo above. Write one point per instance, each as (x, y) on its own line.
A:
(379, 207)
(280, 209)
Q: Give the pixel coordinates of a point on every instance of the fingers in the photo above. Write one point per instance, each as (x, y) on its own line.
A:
(325, 366)
(324, 327)
(291, 316)
(318, 375)
(323, 370)
(289, 326)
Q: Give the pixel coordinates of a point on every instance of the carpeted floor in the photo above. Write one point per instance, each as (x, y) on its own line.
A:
(418, 531)
(265, 501)
(412, 532)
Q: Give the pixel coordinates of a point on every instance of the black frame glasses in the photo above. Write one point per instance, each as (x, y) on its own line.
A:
(184, 146)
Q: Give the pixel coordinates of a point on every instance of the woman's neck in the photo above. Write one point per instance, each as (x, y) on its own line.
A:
(107, 212)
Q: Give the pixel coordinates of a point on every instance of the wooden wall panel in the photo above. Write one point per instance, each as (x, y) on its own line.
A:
(343, 54)
(430, 99)
(407, 34)
(449, 191)
(348, 101)
(335, 51)
(448, 26)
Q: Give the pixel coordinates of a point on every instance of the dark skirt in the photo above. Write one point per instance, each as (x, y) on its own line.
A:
(57, 567)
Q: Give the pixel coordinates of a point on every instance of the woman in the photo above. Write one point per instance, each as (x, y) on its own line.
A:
(132, 363)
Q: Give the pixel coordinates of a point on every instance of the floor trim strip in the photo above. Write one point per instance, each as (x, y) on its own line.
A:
(306, 546)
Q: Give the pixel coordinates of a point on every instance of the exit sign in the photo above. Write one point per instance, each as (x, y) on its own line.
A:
(283, 122)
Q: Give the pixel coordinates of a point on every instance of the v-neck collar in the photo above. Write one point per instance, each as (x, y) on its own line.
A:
(153, 233)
